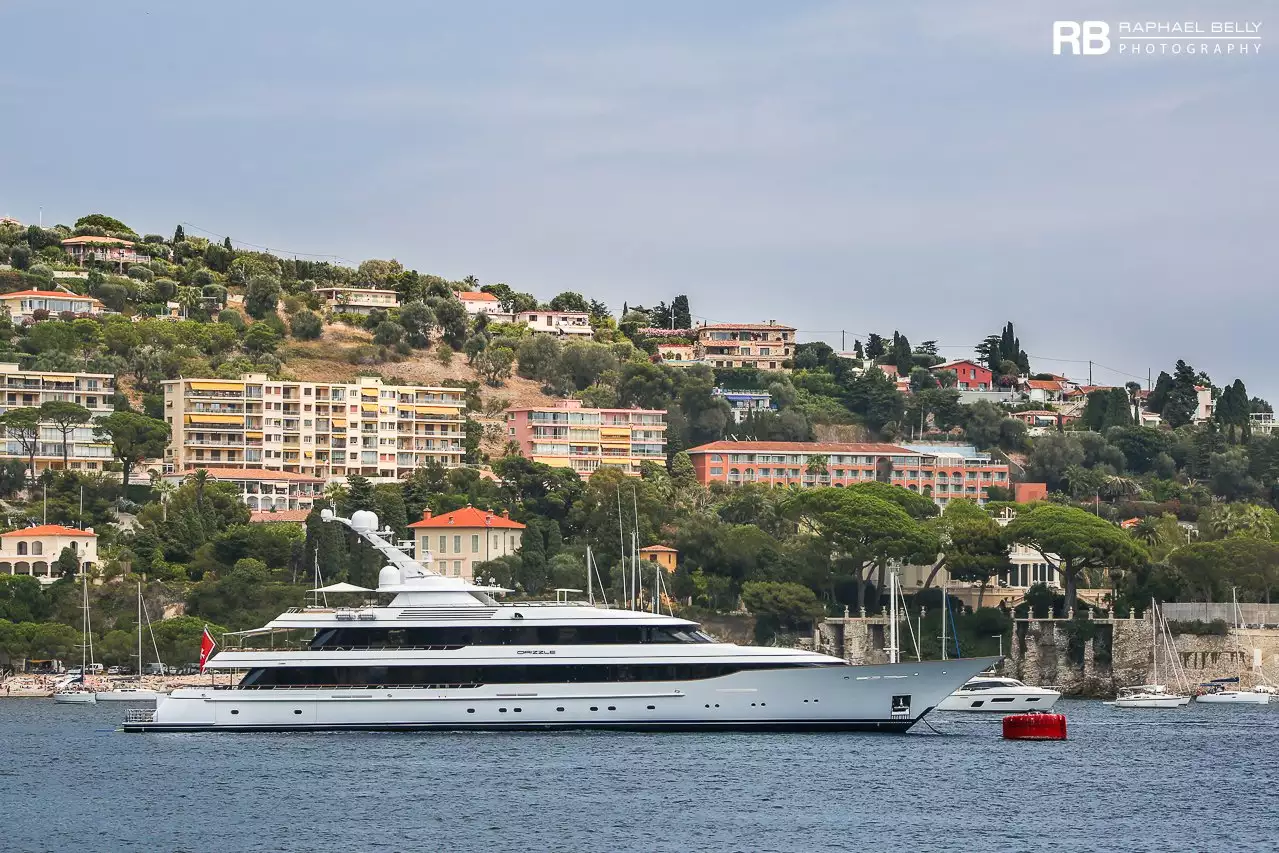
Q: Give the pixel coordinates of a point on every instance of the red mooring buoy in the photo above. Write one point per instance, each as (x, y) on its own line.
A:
(1035, 727)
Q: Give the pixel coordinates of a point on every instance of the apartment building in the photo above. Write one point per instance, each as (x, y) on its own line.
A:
(764, 346)
(457, 541)
(31, 388)
(328, 430)
(939, 474)
(564, 323)
(268, 491)
(567, 435)
(358, 300)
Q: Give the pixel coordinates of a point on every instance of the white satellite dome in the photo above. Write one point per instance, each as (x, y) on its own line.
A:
(365, 520)
(389, 576)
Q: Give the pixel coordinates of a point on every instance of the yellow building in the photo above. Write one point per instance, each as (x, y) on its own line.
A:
(322, 429)
(456, 541)
(660, 554)
(34, 551)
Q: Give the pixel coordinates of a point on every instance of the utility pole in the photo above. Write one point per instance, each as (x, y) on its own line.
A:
(843, 345)
(1148, 387)
(1090, 371)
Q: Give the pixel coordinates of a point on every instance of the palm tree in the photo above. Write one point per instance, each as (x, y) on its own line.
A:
(189, 299)
(471, 282)
(200, 478)
(164, 489)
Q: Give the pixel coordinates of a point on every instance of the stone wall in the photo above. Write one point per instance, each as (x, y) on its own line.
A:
(1092, 660)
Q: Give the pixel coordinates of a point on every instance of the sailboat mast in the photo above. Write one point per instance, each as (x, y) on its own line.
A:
(1154, 648)
(590, 581)
(945, 608)
(139, 673)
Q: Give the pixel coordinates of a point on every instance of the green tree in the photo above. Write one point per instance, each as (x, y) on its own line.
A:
(494, 364)
(1183, 397)
(65, 417)
(23, 426)
(1078, 541)
(133, 438)
(680, 313)
(569, 301)
(865, 530)
(306, 325)
(261, 338)
(780, 606)
(539, 358)
(68, 564)
(388, 334)
(418, 321)
(261, 296)
(1107, 407)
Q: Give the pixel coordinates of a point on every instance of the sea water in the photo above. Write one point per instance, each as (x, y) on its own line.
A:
(1199, 778)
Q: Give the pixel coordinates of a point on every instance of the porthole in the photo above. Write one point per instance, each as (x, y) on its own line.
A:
(652, 707)
(708, 706)
(516, 710)
(716, 704)
(752, 704)
(560, 708)
(297, 711)
(593, 708)
(815, 701)
(501, 710)
(762, 704)
(235, 712)
(612, 707)
(470, 710)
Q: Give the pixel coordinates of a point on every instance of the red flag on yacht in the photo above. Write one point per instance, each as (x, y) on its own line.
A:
(207, 645)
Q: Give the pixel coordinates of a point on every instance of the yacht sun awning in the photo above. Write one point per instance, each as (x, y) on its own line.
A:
(342, 587)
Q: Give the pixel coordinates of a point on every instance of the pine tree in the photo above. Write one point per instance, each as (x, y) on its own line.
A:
(682, 313)
(226, 244)
(874, 346)
(178, 235)
(359, 495)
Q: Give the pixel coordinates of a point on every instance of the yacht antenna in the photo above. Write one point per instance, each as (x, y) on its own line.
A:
(139, 629)
(590, 581)
(635, 566)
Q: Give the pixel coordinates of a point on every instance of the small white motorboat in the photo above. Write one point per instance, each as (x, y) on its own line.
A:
(75, 697)
(999, 694)
(1149, 696)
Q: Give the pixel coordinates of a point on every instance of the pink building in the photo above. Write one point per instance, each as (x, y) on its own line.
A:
(567, 435)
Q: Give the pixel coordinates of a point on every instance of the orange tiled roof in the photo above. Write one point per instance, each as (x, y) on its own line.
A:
(477, 296)
(1043, 384)
(76, 241)
(959, 361)
(800, 447)
(280, 515)
(468, 517)
(255, 474)
(50, 530)
(652, 548)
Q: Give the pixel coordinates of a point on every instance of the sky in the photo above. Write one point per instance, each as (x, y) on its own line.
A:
(928, 167)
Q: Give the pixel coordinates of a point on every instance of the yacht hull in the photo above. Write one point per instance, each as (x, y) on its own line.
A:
(1010, 701)
(887, 698)
(1234, 697)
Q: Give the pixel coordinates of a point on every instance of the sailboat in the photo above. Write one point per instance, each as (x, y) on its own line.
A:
(1154, 695)
(1219, 690)
(134, 692)
(75, 692)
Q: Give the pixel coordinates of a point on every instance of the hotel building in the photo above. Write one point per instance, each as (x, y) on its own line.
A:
(941, 474)
(567, 435)
(31, 388)
(328, 430)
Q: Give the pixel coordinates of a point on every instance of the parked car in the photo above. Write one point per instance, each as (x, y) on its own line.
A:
(190, 669)
(74, 672)
(95, 669)
(113, 670)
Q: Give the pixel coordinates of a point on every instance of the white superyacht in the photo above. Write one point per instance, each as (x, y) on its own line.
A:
(444, 654)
